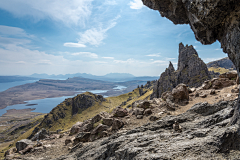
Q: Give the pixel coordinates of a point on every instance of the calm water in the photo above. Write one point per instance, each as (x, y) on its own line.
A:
(119, 87)
(43, 105)
(5, 86)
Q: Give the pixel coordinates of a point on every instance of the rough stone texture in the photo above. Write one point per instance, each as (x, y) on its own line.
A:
(108, 121)
(117, 124)
(147, 112)
(82, 137)
(10, 151)
(27, 149)
(120, 112)
(100, 128)
(96, 118)
(180, 92)
(68, 140)
(217, 83)
(205, 135)
(144, 105)
(75, 128)
(85, 101)
(223, 63)
(42, 134)
(230, 75)
(191, 71)
(210, 21)
(22, 144)
(138, 111)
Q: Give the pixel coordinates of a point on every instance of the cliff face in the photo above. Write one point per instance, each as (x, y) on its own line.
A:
(210, 21)
(223, 63)
(191, 71)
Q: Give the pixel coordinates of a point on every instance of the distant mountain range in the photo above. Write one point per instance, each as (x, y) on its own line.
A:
(113, 77)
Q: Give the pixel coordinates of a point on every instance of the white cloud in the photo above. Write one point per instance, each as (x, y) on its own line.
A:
(67, 11)
(94, 36)
(128, 61)
(15, 31)
(86, 54)
(170, 59)
(159, 62)
(4, 41)
(206, 60)
(77, 45)
(154, 55)
(108, 57)
(101, 62)
(136, 4)
(218, 49)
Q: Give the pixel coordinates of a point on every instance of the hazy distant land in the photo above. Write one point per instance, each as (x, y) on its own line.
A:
(57, 88)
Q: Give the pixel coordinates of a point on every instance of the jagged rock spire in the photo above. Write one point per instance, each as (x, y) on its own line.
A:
(170, 67)
(191, 71)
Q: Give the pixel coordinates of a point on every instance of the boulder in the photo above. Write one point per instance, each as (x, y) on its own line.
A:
(97, 118)
(27, 149)
(42, 134)
(76, 128)
(180, 92)
(153, 118)
(167, 95)
(229, 75)
(191, 90)
(108, 121)
(120, 112)
(139, 116)
(138, 111)
(100, 128)
(104, 114)
(68, 140)
(86, 127)
(204, 95)
(22, 144)
(10, 151)
(81, 137)
(117, 124)
(147, 112)
(144, 105)
(213, 91)
(206, 85)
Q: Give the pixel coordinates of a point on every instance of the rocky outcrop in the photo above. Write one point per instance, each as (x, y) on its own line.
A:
(84, 101)
(22, 144)
(223, 63)
(202, 134)
(210, 21)
(191, 71)
(70, 107)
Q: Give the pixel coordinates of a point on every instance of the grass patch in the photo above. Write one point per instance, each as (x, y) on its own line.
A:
(219, 70)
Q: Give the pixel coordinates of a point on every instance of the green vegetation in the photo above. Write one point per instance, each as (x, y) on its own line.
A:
(54, 121)
(5, 146)
(219, 70)
(61, 117)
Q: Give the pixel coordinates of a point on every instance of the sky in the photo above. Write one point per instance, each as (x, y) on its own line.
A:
(91, 36)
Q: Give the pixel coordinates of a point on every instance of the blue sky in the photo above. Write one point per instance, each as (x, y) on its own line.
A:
(90, 36)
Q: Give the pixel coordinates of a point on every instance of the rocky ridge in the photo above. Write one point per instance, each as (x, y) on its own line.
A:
(200, 132)
(191, 71)
(223, 63)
